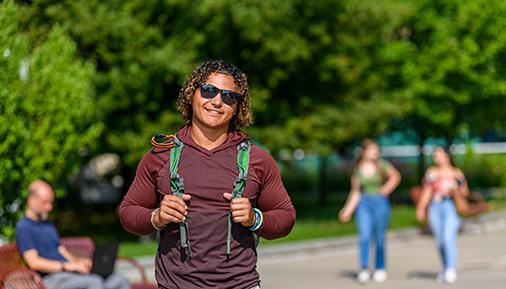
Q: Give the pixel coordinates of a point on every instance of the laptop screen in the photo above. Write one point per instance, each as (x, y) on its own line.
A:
(104, 259)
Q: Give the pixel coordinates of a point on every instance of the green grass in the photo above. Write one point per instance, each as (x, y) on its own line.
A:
(134, 249)
(315, 222)
(324, 224)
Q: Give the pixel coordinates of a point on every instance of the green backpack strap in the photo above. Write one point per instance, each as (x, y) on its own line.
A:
(177, 188)
(243, 155)
(177, 183)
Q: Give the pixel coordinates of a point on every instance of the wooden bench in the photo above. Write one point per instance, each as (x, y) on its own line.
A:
(15, 275)
(13, 272)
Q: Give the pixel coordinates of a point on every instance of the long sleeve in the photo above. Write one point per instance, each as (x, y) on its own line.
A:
(141, 198)
(273, 201)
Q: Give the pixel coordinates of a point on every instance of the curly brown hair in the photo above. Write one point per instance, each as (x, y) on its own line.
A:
(243, 116)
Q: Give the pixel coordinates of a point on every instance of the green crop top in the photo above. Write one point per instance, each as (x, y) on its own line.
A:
(372, 184)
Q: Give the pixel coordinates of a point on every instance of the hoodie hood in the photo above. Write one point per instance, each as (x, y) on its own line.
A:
(233, 139)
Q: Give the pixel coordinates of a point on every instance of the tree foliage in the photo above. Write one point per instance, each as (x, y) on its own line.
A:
(47, 111)
(323, 73)
(457, 66)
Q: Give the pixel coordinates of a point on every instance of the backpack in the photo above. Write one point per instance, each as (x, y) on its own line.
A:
(177, 184)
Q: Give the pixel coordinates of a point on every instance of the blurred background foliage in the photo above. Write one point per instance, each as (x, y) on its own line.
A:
(82, 78)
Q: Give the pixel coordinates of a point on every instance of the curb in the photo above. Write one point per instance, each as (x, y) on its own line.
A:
(470, 225)
(327, 244)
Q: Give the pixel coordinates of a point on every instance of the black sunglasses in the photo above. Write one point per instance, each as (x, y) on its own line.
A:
(227, 96)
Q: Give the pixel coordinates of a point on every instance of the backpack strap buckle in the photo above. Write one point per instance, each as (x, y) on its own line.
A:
(162, 140)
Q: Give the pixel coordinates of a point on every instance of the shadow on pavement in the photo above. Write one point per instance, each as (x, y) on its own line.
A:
(422, 275)
(349, 274)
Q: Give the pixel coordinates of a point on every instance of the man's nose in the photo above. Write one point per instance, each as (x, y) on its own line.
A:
(216, 100)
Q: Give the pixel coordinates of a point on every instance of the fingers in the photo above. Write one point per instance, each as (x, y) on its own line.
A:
(241, 210)
(341, 217)
(240, 204)
(240, 215)
(344, 217)
(173, 209)
(171, 216)
(227, 196)
(85, 269)
(78, 267)
(86, 263)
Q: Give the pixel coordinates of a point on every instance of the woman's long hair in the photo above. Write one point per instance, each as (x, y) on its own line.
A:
(364, 145)
(446, 150)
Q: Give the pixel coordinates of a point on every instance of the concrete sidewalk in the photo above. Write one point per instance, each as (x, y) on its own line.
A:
(412, 260)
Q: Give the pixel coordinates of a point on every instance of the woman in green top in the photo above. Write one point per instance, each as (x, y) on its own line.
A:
(373, 180)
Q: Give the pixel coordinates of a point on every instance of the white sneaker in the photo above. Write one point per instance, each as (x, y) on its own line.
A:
(450, 275)
(363, 276)
(379, 275)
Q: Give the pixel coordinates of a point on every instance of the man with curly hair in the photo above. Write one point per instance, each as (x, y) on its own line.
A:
(208, 190)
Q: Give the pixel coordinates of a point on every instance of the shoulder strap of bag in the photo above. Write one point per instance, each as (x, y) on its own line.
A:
(243, 156)
(177, 188)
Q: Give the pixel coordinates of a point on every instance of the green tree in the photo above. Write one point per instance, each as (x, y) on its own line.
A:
(456, 68)
(323, 73)
(47, 113)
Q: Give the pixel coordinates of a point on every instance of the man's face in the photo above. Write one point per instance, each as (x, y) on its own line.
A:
(41, 203)
(214, 113)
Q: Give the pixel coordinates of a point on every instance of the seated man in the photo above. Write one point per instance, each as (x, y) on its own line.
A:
(38, 243)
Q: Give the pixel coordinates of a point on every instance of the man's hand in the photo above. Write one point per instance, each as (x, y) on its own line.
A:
(78, 266)
(172, 210)
(241, 209)
(86, 261)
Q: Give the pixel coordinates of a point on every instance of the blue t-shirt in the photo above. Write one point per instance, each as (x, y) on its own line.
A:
(41, 236)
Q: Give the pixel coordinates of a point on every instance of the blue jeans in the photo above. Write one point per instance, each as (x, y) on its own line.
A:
(444, 223)
(372, 217)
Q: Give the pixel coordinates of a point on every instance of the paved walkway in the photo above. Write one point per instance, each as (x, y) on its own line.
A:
(412, 260)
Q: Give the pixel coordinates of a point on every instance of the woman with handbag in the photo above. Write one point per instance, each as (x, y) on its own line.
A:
(373, 180)
(441, 184)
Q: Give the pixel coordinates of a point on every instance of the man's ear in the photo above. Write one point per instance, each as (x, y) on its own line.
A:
(29, 202)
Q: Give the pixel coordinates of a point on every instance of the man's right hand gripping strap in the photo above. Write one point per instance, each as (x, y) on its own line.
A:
(177, 188)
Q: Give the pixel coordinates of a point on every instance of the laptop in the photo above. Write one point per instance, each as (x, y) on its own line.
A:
(104, 259)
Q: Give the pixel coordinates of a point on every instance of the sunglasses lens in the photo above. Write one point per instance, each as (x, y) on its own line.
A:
(229, 97)
(208, 91)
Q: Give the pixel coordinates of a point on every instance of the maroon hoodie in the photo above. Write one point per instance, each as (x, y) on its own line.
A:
(207, 175)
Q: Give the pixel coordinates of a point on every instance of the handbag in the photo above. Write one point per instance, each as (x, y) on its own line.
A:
(461, 202)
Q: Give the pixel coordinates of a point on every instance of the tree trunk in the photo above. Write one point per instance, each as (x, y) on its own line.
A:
(322, 179)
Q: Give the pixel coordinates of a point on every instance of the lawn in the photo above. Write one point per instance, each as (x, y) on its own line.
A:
(304, 229)
(315, 222)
